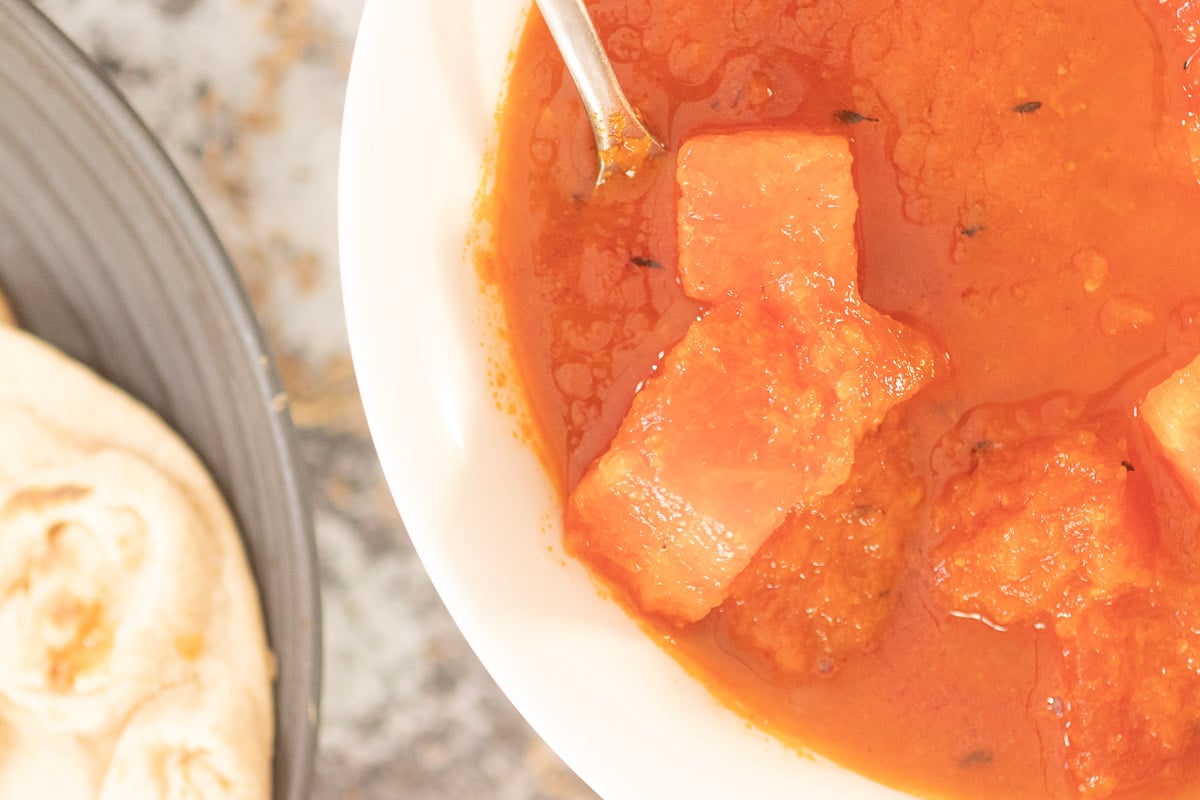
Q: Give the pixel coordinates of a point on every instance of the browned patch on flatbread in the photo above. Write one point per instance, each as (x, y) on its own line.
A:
(40, 498)
(19, 586)
(6, 315)
(90, 647)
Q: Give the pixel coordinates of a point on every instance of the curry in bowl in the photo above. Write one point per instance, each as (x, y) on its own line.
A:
(879, 396)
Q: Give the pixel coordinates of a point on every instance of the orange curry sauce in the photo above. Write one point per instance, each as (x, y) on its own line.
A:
(1028, 202)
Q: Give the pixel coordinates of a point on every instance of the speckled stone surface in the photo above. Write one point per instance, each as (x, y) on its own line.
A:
(246, 96)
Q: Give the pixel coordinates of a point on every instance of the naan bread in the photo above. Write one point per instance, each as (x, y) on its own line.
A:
(182, 746)
(128, 617)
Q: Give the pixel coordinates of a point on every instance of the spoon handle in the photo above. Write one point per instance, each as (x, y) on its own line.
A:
(621, 139)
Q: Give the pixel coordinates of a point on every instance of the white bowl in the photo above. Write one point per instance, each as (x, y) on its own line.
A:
(480, 509)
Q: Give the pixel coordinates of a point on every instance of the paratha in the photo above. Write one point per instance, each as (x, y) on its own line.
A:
(131, 636)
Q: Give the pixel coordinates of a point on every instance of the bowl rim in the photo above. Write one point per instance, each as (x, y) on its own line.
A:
(479, 506)
(144, 146)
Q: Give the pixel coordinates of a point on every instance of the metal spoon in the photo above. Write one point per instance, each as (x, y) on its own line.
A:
(622, 141)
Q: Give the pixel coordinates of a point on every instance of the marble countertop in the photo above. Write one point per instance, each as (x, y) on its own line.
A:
(246, 96)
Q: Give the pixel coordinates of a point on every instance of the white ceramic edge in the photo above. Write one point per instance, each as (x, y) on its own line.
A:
(476, 503)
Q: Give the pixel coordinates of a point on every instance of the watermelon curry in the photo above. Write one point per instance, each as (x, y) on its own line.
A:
(879, 396)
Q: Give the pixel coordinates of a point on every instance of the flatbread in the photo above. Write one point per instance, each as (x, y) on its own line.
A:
(129, 563)
(212, 759)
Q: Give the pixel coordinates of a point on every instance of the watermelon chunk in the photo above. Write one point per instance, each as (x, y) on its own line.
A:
(761, 405)
(768, 216)
(1172, 412)
(1034, 525)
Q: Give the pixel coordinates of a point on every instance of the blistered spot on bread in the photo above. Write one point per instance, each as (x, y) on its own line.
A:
(190, 646)
(35, 499)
